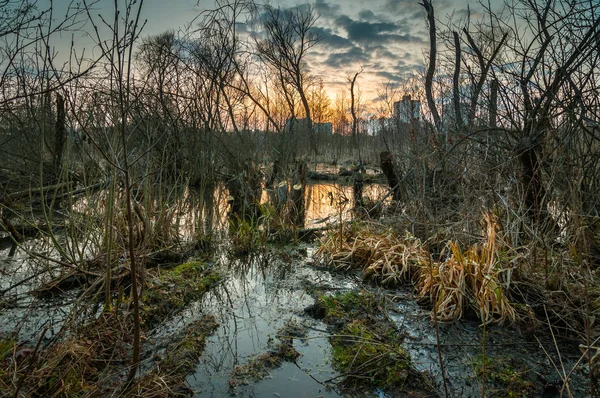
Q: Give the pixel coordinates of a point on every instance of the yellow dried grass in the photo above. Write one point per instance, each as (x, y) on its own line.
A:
(381, 255)
(474, 278)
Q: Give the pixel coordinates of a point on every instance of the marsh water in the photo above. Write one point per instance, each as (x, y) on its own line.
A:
(265, 292)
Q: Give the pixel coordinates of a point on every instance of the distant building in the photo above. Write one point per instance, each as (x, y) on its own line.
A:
(296, 124)
(302, 124)
(323, 128)
(407, 110)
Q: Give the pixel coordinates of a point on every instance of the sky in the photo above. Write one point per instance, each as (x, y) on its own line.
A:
(386, 38)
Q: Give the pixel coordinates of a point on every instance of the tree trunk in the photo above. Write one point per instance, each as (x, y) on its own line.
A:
(297, 211)
(456, 84)
(387, 166)
(532, 177)
(60, 132)
(357, 188)
(494, 104)
(431, 68)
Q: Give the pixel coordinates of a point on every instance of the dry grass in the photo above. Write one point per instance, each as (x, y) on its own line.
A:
(474, 278)
(381, 254)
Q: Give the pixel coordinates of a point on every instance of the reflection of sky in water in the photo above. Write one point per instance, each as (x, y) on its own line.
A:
(197, 213)
(255, 302)
(326, 200)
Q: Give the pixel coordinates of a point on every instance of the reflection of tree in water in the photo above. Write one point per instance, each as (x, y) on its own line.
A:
(327, 200)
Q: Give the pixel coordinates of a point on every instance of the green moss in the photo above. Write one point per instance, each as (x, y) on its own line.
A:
(347, 305)
(191, 269)
(509, 379)
(173, 289)
(360, 351)
(366, 346)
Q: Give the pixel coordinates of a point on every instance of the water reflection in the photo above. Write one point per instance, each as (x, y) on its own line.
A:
(261, 294)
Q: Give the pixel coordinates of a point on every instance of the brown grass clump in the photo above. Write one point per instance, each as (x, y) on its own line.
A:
(474, 278)
(381, 255)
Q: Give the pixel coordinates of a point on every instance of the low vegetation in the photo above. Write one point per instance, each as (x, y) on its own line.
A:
(92, 360)
(474, 279)
(259, 367)
(367, 347)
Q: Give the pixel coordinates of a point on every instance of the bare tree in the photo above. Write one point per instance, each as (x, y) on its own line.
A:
(456, 81)
(288, 40)
(353, 105)
(484, 68)
(427, 4)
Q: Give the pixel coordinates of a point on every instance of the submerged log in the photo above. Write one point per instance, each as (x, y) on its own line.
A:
(387, 166)
(313, 175)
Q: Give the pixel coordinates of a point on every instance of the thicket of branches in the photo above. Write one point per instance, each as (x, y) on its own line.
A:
(512, 126)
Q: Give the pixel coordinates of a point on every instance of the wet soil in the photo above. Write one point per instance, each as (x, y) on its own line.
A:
(263, 295)
(260, 303)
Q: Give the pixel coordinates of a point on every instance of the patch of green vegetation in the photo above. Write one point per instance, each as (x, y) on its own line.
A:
(364, 353)
(347, 305)
(367, 347)
(191, 269)
(247, 236)
(173, 289)
(180, 360)
(510, 380)
(6, 347)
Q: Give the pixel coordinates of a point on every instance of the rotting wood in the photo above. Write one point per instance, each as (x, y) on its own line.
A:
(387, 167)
(357, 188)
(297, 211)
(38, 191)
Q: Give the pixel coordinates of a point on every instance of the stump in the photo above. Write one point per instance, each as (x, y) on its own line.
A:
(387, 167)
(297, 210)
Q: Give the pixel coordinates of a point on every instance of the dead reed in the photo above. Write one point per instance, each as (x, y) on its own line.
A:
(474, 278)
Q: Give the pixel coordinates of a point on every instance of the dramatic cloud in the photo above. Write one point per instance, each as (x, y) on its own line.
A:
(330, 39)
(364, 32)
(345, 60)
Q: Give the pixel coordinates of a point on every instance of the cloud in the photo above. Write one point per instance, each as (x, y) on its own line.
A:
(327, 10)
(355, 55)
(330, 39)
(395, 76)
(366, 14)
(363, 32)
(402, 7)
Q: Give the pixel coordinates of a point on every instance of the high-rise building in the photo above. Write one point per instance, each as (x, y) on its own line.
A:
(407, 110)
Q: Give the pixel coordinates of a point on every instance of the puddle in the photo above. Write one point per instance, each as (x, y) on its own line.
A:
(260, 296)
(506, 347)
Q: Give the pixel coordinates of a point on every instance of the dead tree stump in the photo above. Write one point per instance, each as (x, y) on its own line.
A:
(297, 209)
(244, 194)
(387, 167)
(357, 188)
